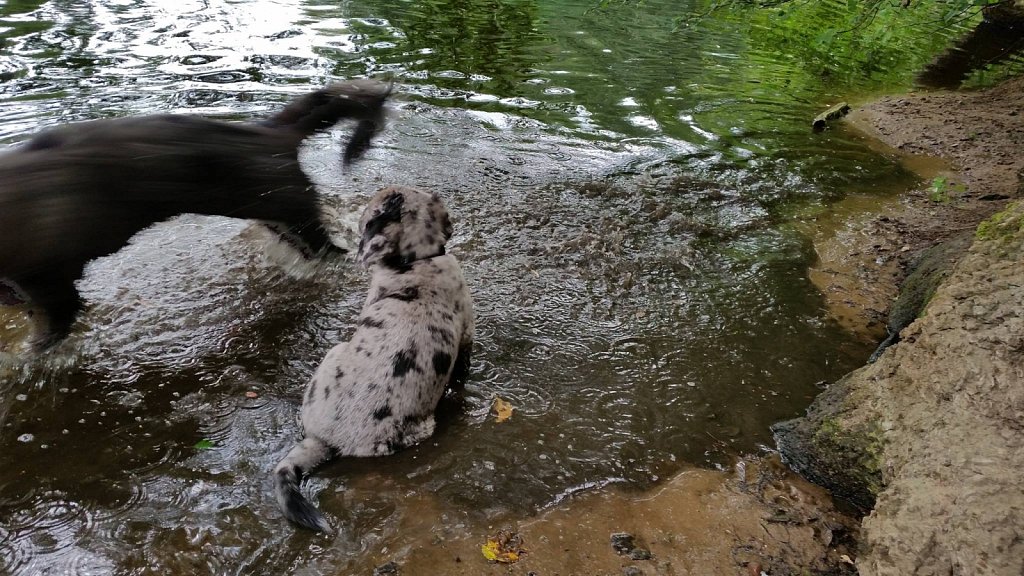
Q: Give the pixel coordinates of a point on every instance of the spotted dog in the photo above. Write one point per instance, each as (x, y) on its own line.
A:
(80, 191)
(377, 393)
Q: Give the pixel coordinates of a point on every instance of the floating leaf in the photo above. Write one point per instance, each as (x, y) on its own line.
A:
(503, 409)
(204, 444)
(505, 547)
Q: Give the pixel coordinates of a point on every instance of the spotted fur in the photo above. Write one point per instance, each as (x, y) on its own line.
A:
(412, 340)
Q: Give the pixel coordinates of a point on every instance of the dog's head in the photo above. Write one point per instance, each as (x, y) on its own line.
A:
(402, 225)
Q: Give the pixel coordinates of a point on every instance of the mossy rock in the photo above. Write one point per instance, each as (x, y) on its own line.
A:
(1002, 226)
(828, 450)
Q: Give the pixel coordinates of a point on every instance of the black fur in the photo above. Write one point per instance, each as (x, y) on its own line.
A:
(403, 362)
(442, 362)
(81, 191)
(382, 412)
(407, 294)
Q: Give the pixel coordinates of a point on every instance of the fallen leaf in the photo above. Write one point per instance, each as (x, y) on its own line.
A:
(505, 547)
(204, 444)
(846, 559)
(251, 394)
(503, 409)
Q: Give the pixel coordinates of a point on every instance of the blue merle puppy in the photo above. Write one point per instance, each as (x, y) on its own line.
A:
(377, 393)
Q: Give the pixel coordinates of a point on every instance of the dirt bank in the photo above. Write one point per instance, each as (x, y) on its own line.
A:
(931, 434)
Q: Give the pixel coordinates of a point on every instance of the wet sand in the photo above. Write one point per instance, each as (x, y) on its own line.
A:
(756, 518)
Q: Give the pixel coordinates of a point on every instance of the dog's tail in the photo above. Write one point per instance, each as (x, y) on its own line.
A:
(361, 100)
(305, 456)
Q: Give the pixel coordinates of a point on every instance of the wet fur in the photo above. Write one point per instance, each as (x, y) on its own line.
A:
(81, 191)
(377, 393)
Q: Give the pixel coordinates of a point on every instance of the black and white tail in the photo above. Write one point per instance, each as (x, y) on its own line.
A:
(361, 100)
(305, 456)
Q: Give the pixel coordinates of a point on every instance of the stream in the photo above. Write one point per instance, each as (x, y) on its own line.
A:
(626, 192)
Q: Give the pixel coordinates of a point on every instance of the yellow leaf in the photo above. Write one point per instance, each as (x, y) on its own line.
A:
(504, 548)
(490, 550)
(503, 409)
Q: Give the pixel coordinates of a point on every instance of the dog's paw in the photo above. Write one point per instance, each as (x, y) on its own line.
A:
(290, 254)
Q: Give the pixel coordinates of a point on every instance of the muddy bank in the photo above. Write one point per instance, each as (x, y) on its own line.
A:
(930, 435)
(966, 148)
(758, 518)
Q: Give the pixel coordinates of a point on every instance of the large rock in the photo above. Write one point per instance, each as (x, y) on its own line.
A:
(933, 432)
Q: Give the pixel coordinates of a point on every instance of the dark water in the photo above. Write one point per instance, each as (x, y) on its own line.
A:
(624, 195)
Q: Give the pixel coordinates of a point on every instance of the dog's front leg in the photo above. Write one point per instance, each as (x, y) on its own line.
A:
(460, 368)
(293, 213)
(53, 293)
(315, 236)
(309, 242)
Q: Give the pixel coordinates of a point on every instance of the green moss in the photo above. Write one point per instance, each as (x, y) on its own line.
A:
(1002, 226)
(863, 448)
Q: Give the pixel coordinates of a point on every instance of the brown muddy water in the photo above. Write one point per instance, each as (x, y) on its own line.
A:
(625, 197)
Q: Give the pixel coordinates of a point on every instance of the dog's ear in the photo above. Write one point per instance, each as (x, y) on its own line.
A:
(388, 211)
(437, 207)
(446, 226)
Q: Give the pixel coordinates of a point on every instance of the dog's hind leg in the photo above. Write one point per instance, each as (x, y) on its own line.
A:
(54, 294)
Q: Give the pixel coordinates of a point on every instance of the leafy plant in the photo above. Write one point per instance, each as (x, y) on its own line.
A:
(941, 189)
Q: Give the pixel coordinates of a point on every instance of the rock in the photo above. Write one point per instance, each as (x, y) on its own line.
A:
(389, 569)
(928, 270)
(832, 450)
(640, 554)
(623, 542)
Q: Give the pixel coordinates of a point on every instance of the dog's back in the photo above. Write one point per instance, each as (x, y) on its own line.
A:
(377, 393)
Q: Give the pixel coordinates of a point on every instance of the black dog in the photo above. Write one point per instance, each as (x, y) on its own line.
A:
(81, 191)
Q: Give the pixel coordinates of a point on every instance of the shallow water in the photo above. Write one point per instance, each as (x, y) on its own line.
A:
(624, 197)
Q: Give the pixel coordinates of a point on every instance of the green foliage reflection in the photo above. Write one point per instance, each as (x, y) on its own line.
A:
(497, 39)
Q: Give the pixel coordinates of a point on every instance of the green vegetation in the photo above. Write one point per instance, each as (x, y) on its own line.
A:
(1004, 225)
(941, 190)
